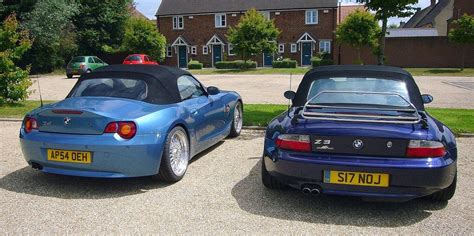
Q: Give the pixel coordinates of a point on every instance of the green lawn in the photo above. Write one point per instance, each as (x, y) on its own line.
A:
(302, 70)
(459, 120)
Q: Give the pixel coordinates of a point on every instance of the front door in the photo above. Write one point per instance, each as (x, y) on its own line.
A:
(306, 54)
(267, 59)
(216, 53)
(182, 57)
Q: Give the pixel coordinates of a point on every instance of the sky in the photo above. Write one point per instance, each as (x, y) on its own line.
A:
(149, 7)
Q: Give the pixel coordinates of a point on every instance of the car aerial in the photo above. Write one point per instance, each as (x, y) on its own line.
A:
(130, 121)
(360, 131)
(137, 59)
(83, 65)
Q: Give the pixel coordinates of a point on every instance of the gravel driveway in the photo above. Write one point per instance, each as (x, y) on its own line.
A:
(449, 92)
(221, 193)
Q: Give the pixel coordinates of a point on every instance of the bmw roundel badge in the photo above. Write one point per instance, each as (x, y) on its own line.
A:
(358, 144)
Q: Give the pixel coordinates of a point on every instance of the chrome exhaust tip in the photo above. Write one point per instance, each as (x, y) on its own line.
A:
(315, 192)
(306, 191)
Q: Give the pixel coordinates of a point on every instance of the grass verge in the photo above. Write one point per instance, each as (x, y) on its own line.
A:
(459, 120)
(469, 72)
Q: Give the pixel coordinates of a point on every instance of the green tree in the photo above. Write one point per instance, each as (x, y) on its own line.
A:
(384, 9)
(19, 7)
(142, 36)
(253, 35)
(463, 33)
(359, 29)
(101, 25)
(49, 23)
(14, 42)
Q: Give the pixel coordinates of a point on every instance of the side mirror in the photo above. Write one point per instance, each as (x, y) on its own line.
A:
(213, 90)
(427, 98)
(290, 95)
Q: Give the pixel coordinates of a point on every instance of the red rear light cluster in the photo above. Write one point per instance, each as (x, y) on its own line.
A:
(30, 124)
(294, 142)
(425, 149)
(124, 129)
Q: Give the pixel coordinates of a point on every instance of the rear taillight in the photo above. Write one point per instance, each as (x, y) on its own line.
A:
(294, 142)
(425, 149)
(125, 130)
(30, 124)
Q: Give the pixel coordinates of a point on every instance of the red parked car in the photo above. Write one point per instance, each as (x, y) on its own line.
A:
(136, 59)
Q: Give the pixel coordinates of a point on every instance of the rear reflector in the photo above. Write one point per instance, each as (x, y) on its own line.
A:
(30, 124)
(425, 149)
(299, 143)
(67, 112)
(126, 130)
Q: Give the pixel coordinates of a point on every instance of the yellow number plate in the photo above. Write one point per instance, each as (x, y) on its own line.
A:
(69, 156)
(356, 178)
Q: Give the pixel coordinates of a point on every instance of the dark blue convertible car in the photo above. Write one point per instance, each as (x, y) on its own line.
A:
(360, 131)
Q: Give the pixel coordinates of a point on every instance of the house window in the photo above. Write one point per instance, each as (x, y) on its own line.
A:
(281, 48)
(266, 14)
(325, 46)
(194, 50)
(294, 48)
(221, 20)
(231, 50)
(205, 50)
(169, 51)
(312, 17)
(178, 22)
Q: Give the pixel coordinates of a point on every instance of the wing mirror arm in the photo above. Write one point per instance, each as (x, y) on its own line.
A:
(290, 95)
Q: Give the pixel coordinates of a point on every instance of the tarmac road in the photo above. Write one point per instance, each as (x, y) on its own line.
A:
(221, 193)
(448, 92)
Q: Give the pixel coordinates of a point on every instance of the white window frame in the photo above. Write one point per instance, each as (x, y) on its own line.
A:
(323, 44)
(194, 50)
(230, 47)
(169, 51)
(294, 48)
(309, 19)
(205, 50)
(177, 25)
(218, 20)
(281, 48)
(266, 14)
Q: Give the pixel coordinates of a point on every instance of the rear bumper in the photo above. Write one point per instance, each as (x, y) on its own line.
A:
(409, 179)
(111, 156)
(71, 71)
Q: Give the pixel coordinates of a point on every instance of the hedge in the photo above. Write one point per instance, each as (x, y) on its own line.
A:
(286, 63)
(195, 65)
(316, 61)
(235, 64)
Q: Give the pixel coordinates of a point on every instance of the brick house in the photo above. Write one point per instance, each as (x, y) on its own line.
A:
(196, 29)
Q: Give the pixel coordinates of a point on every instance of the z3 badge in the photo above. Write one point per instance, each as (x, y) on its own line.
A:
(323, 144)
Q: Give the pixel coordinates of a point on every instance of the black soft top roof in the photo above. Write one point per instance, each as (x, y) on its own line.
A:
(162, 80)
(386, 72)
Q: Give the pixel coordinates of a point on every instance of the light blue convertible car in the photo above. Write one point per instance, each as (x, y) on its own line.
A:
(130, 121)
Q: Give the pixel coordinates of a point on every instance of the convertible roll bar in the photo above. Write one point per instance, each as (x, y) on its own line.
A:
(310, 106)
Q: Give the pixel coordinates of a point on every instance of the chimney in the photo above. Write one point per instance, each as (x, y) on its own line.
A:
(433, 2)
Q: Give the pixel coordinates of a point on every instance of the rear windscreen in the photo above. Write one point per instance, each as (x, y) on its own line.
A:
(353, 91)
(112, 87)
(134, 58)
(78, 59)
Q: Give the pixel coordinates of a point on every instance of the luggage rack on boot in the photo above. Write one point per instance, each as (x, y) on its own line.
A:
(338, 114)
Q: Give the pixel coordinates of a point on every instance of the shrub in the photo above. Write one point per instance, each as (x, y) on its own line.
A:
(195, 65)
(239, 64)
(317, 61)
(285, 63)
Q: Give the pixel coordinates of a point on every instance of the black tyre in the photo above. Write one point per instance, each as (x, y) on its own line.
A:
(270, 181)
(445, 194)
(69, 76)
(237, 122)
(176, 155)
